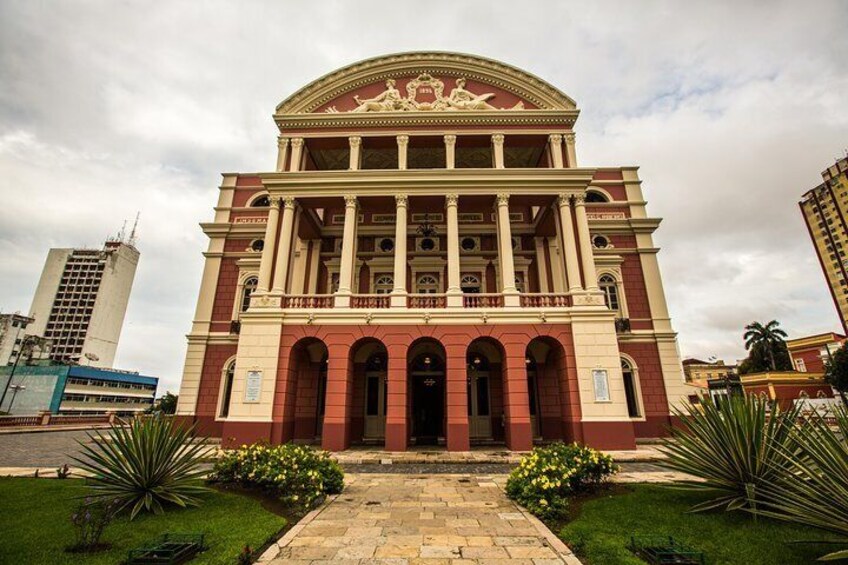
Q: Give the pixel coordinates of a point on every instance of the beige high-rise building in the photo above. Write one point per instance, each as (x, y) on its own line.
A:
(81, 301)
(825, 208)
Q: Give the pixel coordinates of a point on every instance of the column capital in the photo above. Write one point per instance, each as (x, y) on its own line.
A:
(401, 200)
(350, 200)
(282, 142)
(569, 137)
(288, 202)
(502, 199)
(555, 138)
(297, 142)
(354, 141)
(403, 140)
(579, 199)
(451, 199)
(563, 199)
(275, 201)
(450, 139)
(498, 139)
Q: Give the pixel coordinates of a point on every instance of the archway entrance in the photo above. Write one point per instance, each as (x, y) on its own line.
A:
(484, 385)
(427, 384)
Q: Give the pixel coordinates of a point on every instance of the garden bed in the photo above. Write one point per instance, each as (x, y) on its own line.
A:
(600, 526)
(35, 525)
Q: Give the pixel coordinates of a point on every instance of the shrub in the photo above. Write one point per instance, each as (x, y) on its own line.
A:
(89, 520)
(145, 464)
(301, 476)
(546, 477)
(812, 486)
(732, 446)
(63, 472)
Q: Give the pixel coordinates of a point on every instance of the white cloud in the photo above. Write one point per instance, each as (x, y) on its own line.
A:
(731, 109)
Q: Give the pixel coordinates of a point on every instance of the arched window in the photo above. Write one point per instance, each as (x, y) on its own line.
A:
(249, 288)
(593, 196)
(227, 392)
(610, 290)
(470, 284)
(384, 284)
(427, 284)
(261, 202)
(630, 394)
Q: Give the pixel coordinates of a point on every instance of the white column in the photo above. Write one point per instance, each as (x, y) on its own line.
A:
(555, 143)
(572, 268)
(355, 151)
(403, 145)
(570, 150)
(450, 151)
(281, 270)
(498, 149)
(454, 291)
(266, 263)
(348, 252)
(296, 154)
(506, 260)
(541, 271)
(590, 279)
(398, 298)
(282, 152)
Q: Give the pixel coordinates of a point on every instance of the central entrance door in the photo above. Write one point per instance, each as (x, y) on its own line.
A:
(427, 375)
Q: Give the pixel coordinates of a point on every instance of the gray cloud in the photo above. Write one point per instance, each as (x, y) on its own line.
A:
(731, 110)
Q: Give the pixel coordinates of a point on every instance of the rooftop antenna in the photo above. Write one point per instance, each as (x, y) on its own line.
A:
(131, 241)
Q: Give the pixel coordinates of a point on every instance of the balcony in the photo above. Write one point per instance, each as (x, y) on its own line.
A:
(425, 301)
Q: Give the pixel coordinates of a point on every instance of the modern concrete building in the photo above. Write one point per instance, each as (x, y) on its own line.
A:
(825, 209)
(81, 301)
(63, 389)
(13, 328)
(427, 263)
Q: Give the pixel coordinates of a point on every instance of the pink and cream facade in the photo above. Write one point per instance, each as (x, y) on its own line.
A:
(428, 264)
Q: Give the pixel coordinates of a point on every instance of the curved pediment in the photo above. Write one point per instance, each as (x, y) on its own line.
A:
(425, 82)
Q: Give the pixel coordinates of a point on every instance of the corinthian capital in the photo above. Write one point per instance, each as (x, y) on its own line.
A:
(563, 200)
(450, 140)
(282, 142)
(288, 202)
(350, 200)
(451, 200)
(569, 138)
(403, 140)
(579, 199)
(355, 141)
(275, 201)
(498, 139)
(297, 142)
(555, 138)
(401, 200)
(502, 199)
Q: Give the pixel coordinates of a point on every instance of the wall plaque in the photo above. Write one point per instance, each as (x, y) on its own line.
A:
(601, 382)
(253, 386)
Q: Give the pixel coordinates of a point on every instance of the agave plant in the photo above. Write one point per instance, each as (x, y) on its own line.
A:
(144, 464)
(813, 489)
(732, 447)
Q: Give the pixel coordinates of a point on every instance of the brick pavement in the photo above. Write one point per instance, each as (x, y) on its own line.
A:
(39, 449)
(396, 519)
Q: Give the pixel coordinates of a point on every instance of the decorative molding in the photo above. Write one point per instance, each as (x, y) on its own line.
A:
(402, 140)
(498, 139)
(451, 200)
(297, 142)
(563, 200)
(275, 201)
(350, 201)
(289, 202)
(579, 199)
(502, 199)
(569, 138)
(450, 139)
(401, 200)
(282, 142)
(555, 139)
(354, 141)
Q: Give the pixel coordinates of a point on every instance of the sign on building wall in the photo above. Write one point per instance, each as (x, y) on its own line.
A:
(599, 378)
(253, 386)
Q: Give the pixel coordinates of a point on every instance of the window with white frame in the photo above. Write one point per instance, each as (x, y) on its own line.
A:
(610, 289)
(427, 284)
(383, 284)
(800, 365)
(249, 287)
(470, 284)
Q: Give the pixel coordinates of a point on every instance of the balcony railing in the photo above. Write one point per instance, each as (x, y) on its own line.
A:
(426, 301)
(545, 300)
(370, 301)
(308, 301)
(483, 300)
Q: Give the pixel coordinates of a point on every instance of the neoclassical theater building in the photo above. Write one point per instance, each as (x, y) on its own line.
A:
(428, 263)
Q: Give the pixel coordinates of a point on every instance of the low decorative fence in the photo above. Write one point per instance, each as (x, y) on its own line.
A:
(545, 300)
(308, 301)
(483, 300)
(49, 419)
(370, 301)
(426, 301)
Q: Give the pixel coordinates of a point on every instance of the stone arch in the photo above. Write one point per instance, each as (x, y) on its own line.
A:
(301, 392)
(368, 362)
(554, 397)
(599, 194)
(427, 365)
(485, 389)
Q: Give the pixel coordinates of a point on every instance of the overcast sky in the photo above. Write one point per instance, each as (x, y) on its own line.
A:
(732, 110)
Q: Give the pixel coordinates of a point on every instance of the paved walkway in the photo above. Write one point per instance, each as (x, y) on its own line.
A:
(420, 520)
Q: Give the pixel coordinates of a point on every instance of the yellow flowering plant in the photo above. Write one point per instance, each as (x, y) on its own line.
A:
(546, 477)
(300, 475)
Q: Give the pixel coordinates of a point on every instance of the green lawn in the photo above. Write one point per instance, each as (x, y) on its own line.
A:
(35, 524)
(605, 524)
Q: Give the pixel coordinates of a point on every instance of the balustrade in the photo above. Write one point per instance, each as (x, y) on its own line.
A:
(426, 301)
(545, 300)
(483, 300)
(370, 301)
(308, 301)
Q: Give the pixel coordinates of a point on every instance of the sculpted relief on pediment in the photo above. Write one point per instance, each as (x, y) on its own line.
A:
(424, 94)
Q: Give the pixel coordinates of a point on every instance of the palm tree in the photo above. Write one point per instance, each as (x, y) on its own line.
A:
(768, 337)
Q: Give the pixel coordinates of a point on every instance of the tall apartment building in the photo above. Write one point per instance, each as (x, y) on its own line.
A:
(825, 209)
(428, 264)
(81, 301)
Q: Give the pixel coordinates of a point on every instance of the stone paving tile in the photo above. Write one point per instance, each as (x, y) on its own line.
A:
(398, 519)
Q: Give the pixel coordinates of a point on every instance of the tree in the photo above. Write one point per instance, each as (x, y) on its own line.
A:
(167, 403)
(770, 340)
(836, 372)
